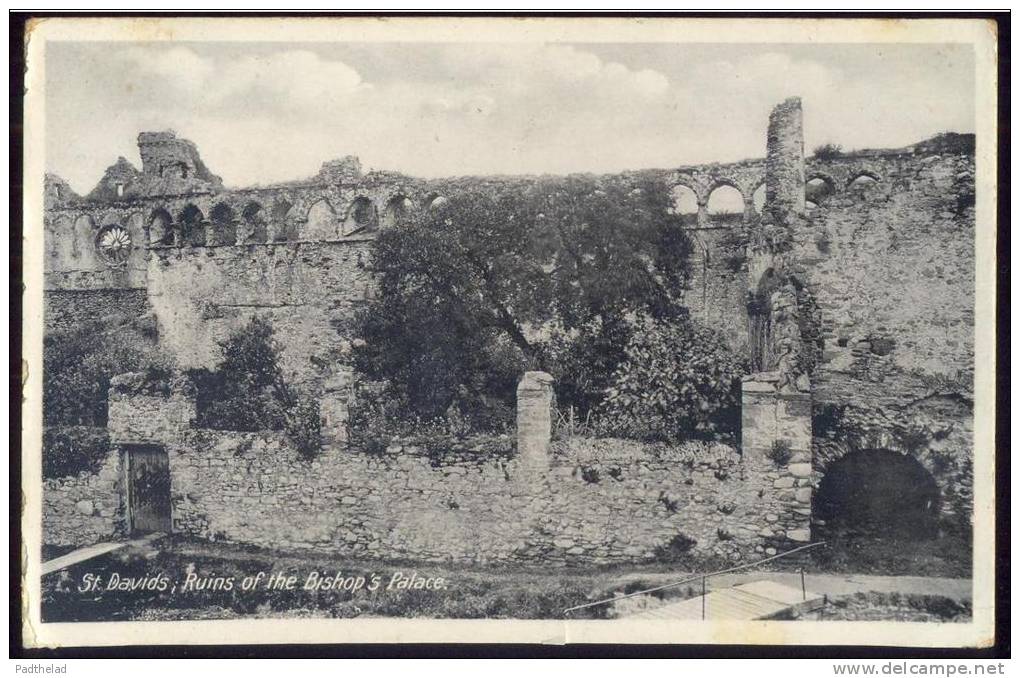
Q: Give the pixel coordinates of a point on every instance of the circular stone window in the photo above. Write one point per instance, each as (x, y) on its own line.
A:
(114, 244)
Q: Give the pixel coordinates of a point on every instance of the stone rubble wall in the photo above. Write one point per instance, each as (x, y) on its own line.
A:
(892, 267)
(599, 501)
(84, 509)
(67, 310)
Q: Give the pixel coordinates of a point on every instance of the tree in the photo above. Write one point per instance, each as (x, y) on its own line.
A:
(78, 364)
(490, 284)
(248, 392)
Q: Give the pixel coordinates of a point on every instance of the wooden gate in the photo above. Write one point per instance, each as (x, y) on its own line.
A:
(148, 476)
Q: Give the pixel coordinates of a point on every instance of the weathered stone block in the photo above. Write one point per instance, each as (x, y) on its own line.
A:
(800, 470)
(799, 535)
(534, 418)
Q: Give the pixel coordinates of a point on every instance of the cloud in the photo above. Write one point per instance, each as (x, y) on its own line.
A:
(261, 113)
(178, 68)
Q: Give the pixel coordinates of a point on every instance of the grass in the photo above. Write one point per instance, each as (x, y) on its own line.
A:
(949, 555)
(472, 592)
(874, 606)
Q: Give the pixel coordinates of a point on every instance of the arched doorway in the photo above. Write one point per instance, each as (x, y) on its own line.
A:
(878, 493)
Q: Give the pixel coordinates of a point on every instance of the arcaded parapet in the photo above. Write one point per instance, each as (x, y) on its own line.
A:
(784, 161)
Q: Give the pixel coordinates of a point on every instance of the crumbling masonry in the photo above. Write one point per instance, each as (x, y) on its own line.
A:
(849, 287)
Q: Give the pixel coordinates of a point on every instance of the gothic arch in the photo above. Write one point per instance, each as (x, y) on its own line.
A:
(362, 215)
(161, 228)
(192, 226)
(758, 196)
(224, 221)
(815, 194)
(685, 203)
(82, 235)
(398, 210)
(320, 223)
(283, 220)
(253, 221)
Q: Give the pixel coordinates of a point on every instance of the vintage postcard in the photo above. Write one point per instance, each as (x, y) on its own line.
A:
(492, 330)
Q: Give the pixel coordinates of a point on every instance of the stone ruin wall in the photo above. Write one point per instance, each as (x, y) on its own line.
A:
(892, 262)
(572, 502)
(890, 267)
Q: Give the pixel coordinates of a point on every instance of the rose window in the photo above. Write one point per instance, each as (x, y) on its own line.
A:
(114, 244)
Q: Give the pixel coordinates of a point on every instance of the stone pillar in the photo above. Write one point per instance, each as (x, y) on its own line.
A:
(776, 446)
(333, 408)
(702, 214)
(784, 160)
(534, 419)
(749, 212)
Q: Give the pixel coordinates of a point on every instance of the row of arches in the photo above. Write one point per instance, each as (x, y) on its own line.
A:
(281, 222)
(726, 198)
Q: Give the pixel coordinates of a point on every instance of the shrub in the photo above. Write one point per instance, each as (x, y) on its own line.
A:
(677, 381)
(247, 391)
(780, 452)
(70, 450)
(828, 151)
(79, 363)
(675, 548)
(304, 428)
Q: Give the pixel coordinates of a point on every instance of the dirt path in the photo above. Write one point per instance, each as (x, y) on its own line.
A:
(845, 584)
(836, 584)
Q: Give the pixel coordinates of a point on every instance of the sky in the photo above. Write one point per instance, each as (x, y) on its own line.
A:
(268, 112)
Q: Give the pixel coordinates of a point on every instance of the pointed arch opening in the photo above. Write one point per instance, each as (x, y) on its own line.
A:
(725, 205)
(161, 228)
(758, 198)
(192, 223)
(253, 219)
(284, 217)
(361, 216)
(818, 189)
(224, 223)
(398, 211)
(321, 222)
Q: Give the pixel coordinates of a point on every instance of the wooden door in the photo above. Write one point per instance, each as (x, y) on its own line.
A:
(148, 489)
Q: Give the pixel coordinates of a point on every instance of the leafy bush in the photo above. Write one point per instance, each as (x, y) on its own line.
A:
(828, 151)
(677, 381)
(79, 363)
(247, 391)
(304, 427)
(780, 452)
(676, 548)
(70, 450)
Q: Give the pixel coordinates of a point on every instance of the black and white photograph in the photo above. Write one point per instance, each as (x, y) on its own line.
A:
(604, 330)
